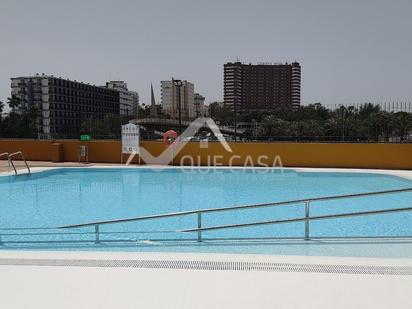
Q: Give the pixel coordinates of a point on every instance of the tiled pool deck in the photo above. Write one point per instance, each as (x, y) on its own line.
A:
(190, 280)
(148, 280)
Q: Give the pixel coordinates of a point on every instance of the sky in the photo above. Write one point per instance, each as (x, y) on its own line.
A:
(350, 51)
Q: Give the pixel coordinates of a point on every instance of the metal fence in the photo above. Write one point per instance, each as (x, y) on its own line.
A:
(260, 139)
(297, 139)
(394, 107)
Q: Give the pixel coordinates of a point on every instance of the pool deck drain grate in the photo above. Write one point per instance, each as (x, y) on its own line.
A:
(215, 266)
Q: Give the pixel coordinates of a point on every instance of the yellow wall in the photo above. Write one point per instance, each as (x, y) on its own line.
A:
(390, 156)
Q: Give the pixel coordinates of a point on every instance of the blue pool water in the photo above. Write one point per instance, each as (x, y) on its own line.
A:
(60, 197)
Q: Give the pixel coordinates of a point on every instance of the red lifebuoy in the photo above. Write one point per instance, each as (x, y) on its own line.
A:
(169, 137)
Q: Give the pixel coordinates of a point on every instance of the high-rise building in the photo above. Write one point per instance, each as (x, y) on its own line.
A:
(129, 100)
(64, 104)
(201, 110)
(135, 106)
(169, 99)
(261, 87)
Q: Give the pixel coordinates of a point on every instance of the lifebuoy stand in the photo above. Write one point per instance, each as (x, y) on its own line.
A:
(170, 139)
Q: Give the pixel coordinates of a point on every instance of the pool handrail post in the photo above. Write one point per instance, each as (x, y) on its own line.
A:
(307, 222)
(199, 226)
(97, 234)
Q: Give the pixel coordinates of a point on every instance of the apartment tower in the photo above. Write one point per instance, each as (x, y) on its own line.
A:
(263, 86)
(170, 96)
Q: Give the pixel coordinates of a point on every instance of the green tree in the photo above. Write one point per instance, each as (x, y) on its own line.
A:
(221, 113)
(310, 128)
(108, 127)
(403, 124)
(367, 109)
(1, 118)
(333, 127)
(13, 102)
(144, 111)
(272, 126)
(29, 122)
(311, 112)
(385, 123)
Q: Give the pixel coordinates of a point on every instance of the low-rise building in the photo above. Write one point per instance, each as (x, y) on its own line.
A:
(64, 104)
(129, 100)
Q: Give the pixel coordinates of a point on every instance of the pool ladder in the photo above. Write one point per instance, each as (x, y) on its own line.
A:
(11, 163)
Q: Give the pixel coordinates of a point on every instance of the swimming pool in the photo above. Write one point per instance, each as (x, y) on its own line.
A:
(33, 207)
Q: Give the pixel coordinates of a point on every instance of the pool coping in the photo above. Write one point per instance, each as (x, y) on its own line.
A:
(406, 174)
(210, 261)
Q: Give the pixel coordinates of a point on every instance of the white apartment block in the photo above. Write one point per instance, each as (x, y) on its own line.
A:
(201, 110)
(129, 100)
(169, 99)
(135, 106)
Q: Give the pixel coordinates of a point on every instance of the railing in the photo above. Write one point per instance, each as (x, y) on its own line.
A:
(168, 121)
(9, 161)
(24, 159)
(306, 219)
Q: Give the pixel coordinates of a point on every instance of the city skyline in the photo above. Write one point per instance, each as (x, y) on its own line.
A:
(348, 54)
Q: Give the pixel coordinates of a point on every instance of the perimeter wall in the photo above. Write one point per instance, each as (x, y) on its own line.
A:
(381, 156)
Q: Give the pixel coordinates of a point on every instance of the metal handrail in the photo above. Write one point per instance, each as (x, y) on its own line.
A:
(201, 211)
(306, 219)
(302, 219)
(22, 156)
(9, 162)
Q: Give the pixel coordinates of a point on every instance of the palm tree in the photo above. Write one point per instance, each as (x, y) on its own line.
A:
(310, 128)
(272, 126)
(293, 129)
(13, 102)
(333, 127)
(365, 110)
(388, 124)
(1, 108)
(403, 124)
(1, 111)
